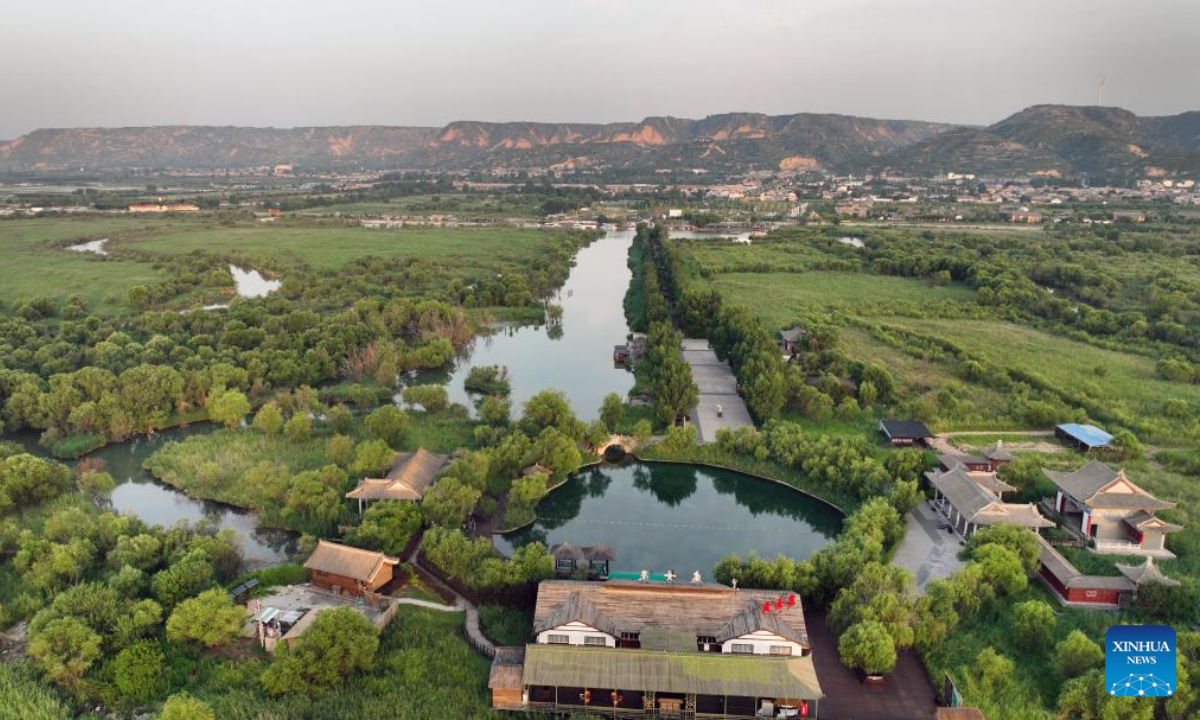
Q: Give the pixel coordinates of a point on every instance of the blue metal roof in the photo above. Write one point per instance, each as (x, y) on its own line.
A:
(1089, 435)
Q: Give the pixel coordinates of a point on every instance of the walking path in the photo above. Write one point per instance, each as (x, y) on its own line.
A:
(471, 629)
(717, 385)
(928, 551)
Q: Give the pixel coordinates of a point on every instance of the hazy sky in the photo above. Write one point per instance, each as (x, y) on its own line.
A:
(266, 62)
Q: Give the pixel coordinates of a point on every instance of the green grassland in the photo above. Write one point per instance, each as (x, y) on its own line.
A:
(37, 264)
(1128, 381)
(334, 247)
(462, 205)
(779, 298)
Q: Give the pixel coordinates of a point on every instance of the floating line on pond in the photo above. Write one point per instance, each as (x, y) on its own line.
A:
(671, 526)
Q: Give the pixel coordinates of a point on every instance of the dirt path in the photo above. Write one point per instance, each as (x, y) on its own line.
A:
(941, 442)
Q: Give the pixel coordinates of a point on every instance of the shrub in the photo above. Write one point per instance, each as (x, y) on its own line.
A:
(1076, 655)
(1034, 622)
(389, 424)
(185, 707)
(338, 644)
(138, 671)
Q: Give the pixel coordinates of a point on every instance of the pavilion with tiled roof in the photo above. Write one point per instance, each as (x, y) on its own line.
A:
(410, 477)
(1105, 506)
(968, 504)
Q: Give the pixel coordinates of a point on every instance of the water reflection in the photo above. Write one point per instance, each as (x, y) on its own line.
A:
(139, 494)
(573, 355)
(659, 516)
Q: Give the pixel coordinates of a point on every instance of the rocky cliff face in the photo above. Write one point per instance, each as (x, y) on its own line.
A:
(1044, 138)
(731, 138)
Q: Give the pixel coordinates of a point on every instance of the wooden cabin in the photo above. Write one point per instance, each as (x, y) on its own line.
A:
(342, 569)
(623, 648)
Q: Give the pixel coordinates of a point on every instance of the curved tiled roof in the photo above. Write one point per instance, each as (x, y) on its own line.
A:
(1088, 485)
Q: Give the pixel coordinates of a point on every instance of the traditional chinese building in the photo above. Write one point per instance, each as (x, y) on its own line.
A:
(1106, 507)
(625, 648)
(970, 501)
(410, 476)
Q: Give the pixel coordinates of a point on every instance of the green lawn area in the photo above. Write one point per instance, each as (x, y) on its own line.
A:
(778, 298)
(1129, 381)
(36, 263)
(483, 248)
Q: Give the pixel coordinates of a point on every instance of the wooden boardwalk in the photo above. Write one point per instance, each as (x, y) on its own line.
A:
(471, 629)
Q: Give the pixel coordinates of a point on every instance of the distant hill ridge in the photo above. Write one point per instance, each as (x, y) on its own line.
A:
(1052, 139)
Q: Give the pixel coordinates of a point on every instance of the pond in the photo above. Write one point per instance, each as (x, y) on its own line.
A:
(138, 493)
(574, 356)
(250, 283)
(92, 246)
(684, 518)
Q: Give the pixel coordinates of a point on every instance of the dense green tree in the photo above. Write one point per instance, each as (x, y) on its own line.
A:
(186, 577)
(448, 502)
(299, 428)
(1034, 622)
(340, 450)
(269, 419)
(433, 398)
(389, 424)
(64, 650)
(1076, 654)
(868, 646)
(388, 526)
(210, 619)
(229, 407)
(372, 458)
(550, 409)
(611, 410)
(495, 410)
(339, 644)
(1087, 698)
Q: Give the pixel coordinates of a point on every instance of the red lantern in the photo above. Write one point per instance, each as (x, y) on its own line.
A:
(803, 708)
(767, 606)
(779, 603)
(791, 600)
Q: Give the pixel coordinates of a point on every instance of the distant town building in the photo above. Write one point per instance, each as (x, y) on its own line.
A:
(162, 208)
(853, 208)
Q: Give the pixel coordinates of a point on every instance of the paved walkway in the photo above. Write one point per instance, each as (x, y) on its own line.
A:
(717, 385)
(928, 551)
